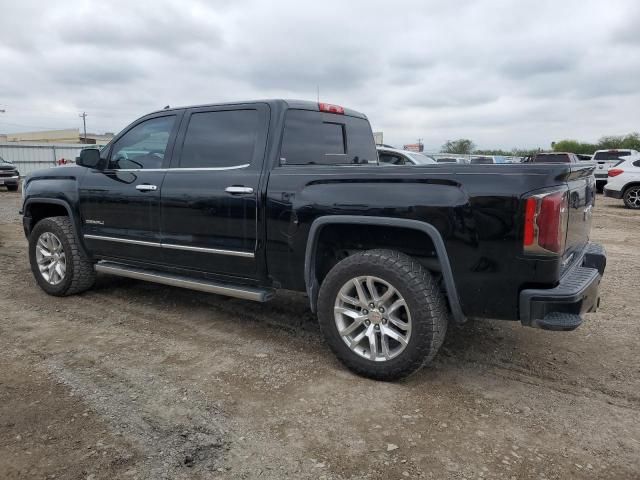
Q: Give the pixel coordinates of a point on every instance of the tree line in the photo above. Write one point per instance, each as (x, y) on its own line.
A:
(466, 146)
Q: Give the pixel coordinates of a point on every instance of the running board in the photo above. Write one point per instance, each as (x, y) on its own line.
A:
(237, 291)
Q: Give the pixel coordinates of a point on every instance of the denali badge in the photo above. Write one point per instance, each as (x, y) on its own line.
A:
(94, 222)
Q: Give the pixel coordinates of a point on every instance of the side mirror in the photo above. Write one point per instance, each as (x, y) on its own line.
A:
(89, 157)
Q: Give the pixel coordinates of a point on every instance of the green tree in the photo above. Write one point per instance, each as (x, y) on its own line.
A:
(460, 146)
(574, 146)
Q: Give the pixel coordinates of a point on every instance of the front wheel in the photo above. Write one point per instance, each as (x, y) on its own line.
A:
(56, 260)
(382, 314)
(632, 197)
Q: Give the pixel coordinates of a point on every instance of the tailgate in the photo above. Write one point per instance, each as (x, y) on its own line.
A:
(582, 195)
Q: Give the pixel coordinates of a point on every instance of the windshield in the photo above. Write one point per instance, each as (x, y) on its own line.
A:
(421, 159)
(611, 155)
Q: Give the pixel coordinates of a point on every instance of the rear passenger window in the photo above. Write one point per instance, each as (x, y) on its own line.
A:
(220, 139)
(323, 138)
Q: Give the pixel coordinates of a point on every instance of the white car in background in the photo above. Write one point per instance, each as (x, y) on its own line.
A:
(624, 182)
(607, 159)
(394, 156)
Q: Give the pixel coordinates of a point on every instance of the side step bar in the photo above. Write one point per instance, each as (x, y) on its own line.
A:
(237, 291)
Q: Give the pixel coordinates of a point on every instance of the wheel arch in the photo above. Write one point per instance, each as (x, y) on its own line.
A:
(29, 223)
(311, 281)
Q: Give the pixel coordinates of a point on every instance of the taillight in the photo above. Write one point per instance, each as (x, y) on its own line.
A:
(545, 223)
(614, 172)
(327, 107)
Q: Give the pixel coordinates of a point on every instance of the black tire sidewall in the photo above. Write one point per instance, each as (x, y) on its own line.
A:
(49, 225)
(626, 202)
(422, 323)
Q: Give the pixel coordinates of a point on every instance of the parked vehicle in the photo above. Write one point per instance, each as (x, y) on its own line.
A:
(487, 159)
(624, 182)
(554, 157)
(243, 199)
(394, 156)
(9, 175)
(607, 159)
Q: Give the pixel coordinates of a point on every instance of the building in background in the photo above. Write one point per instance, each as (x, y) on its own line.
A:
(67, 135)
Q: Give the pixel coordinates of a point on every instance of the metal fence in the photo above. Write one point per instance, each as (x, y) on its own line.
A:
(28, 157)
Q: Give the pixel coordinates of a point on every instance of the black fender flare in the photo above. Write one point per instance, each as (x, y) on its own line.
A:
(311, 281)
(65, 204)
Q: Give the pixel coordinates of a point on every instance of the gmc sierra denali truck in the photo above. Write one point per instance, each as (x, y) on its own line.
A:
(242, 199)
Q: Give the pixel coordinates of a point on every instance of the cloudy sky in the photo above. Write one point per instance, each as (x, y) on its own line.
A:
(500, 72)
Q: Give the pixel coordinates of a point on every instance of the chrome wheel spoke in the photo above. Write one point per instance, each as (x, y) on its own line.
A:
(390, 332)
(373, 292)
(373, 343)
(386, 296)
(396, 305)
(398, 323)
(362, 297)
(385, 346)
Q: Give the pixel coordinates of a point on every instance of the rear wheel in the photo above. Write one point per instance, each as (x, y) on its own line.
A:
(382, 313)
(632, 197)
(57, 262)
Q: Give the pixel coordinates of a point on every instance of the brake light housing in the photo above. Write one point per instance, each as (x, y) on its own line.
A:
(329, 108)
(614, 172)
(546, 216)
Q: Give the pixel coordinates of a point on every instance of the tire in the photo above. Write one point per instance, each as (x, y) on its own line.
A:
(12, 188)
(631, 197)
(425, 317)
(58, 236)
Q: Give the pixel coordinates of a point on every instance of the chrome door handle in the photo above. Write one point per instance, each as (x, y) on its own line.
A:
(237, 189)
(145, 187)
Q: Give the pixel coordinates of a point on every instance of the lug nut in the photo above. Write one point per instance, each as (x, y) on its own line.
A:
(384, 321)
(371, 305)
(365, 312)
(367, 323)
(381, 309)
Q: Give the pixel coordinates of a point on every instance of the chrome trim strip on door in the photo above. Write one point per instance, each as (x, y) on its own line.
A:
(122, 240)
(196, 169)
(233, 253)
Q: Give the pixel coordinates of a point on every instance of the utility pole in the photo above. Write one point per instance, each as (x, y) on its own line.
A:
(420, 146)
(83, 115)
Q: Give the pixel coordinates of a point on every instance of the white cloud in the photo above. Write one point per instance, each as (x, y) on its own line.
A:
(502, 73)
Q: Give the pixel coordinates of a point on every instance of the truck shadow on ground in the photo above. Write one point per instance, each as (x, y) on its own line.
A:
(289, 313)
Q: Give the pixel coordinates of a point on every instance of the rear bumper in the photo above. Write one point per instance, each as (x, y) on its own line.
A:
(613, 193)
(561, 308)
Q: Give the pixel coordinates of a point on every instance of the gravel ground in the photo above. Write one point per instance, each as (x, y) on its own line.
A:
(136, 380)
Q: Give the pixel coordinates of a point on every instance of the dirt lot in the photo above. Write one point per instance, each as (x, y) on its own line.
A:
(135, 380)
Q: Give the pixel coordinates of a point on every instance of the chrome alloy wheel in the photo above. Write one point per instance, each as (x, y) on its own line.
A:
(633, 197)
(372, 318)
(52, 261)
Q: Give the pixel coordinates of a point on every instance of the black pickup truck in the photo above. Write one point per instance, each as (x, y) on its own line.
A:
(242, 199)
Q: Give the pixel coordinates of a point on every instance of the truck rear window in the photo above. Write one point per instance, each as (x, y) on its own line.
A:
(315, 138)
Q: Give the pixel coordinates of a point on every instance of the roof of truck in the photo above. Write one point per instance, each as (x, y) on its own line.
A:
(287, 103)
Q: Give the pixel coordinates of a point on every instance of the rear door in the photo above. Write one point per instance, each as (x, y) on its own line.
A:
(209, 198)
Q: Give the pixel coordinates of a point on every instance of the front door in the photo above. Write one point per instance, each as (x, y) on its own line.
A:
(209, 198)
(120, 202)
